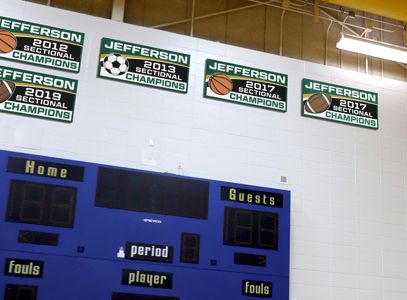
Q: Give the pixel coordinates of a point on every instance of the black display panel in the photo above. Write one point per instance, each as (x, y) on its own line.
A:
(40, 203)
(250, 228)
(126, 296)
(167, 195)
(250, 259)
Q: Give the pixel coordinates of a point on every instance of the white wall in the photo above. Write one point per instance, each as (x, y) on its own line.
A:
(348, 184)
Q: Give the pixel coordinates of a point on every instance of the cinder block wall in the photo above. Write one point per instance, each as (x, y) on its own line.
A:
(348, 184)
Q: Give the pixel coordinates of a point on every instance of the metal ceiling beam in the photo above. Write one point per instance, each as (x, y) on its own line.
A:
(211, 15)
(298, 10)
(118, 10)
(316, 11)
(395, 9)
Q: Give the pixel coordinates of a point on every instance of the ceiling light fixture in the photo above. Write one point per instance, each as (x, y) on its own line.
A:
(371, 47)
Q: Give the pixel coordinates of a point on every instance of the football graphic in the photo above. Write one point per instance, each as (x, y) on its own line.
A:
(6, 89)
(318, 103)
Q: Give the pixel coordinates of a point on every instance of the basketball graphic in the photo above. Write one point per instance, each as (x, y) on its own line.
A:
(8, 42)
(6, 89)
(220, 84)
(318, 103)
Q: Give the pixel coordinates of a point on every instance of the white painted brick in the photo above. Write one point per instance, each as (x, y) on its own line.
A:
(308, 292)
(370, 241)
(395, 285)
(343, 280)
(369, 295)
(348, 226)
(311, 263)
(368, 162)
(343, 293)
(342, 159)
(391, 295)
(370, 282)
(374, 268)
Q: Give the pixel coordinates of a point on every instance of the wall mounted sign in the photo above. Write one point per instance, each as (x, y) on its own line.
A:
(339, 103)
(36, 94)
(40, 44)
(245, 85)
(144, 65)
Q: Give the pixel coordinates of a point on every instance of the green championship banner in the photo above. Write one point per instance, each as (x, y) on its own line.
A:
(144, 65)
(245, 85)
(339, 103)
(37, 95)
(40, 45)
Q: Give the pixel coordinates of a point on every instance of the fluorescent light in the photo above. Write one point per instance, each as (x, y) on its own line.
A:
(372, 48)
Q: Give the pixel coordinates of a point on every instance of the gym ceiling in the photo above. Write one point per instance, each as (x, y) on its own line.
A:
(302, 29)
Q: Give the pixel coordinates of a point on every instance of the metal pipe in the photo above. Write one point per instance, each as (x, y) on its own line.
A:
(394, 9)
(259, 3)
(381, 60)
(356, 15)
(344, 25)
(281, 32)
(191, 33)
(316, 11)
(326, 42)
(307, 13)
(118, 7)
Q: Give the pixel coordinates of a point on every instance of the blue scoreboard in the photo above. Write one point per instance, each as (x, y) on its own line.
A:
(73, 230)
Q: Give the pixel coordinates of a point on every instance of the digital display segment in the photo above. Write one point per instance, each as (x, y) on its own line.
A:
(20, 292)
(250, 228)
(250, 259)
(38, 238)
(145, 192)
(40, 203)
(190, 248)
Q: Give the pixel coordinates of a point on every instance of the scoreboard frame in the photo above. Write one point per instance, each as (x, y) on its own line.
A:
(122, 253)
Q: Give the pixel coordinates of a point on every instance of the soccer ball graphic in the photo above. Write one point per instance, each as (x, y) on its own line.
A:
(115, 64)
